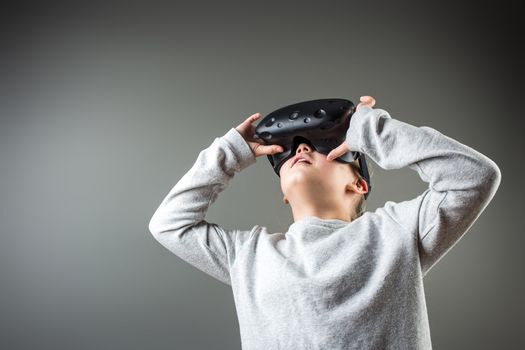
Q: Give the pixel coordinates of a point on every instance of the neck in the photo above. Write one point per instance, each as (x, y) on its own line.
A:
(323, 210)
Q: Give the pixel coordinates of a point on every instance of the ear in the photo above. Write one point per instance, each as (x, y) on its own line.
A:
(360, 186)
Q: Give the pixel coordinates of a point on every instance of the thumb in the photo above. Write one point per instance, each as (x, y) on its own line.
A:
(338, 151)
(247, 123)
(260, 150)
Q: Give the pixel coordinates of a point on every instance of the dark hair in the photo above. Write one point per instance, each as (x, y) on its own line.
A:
(361, 205)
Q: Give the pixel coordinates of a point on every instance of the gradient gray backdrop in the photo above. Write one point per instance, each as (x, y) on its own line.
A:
(105, 107)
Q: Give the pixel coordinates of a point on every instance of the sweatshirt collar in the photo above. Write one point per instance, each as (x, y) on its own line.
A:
(313, 221)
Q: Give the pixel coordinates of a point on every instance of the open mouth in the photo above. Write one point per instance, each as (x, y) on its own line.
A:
(301, 161)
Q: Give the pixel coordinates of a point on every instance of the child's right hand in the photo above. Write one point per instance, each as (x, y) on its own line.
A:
(258, 147)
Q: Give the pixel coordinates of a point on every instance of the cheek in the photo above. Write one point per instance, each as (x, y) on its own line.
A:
(336, 171)
(283, 184)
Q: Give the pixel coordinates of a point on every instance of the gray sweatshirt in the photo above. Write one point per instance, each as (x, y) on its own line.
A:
(333, 284)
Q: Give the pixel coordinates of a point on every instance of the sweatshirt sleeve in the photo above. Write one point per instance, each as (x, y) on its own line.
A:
(179, 225)
(462, 181)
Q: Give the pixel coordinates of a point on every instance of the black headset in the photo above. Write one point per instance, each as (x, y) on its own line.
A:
(321, 123)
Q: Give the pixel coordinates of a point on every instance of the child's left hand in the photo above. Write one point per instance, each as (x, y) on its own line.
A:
(343, 148)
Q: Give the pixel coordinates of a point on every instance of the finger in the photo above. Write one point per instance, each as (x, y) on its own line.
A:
(267, 149)
(253, 118)
(247, 123)
(367, 100)
(361, 104)
(338, 151)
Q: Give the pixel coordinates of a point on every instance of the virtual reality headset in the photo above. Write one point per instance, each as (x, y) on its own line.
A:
(321, 123)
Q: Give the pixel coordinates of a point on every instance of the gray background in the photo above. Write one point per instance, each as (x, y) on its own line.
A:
(105, 107)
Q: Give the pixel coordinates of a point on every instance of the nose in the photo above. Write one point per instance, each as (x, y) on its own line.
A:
(303, 147)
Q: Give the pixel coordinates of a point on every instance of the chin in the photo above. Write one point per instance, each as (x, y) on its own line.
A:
(301, 178)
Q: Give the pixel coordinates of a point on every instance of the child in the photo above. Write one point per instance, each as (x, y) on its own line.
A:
(334, 280)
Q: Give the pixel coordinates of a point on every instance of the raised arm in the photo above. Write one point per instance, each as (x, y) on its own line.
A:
(462, 181)
(179, 222)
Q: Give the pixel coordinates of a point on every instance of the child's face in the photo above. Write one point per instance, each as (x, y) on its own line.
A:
(322, 177)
